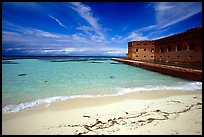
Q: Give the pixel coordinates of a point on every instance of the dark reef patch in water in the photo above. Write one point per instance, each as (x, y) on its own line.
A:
(71, 60)
(94, 62)
(114, 63)
(22, 74)
(111, 77)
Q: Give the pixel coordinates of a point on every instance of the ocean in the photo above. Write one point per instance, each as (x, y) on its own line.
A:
(31, 81)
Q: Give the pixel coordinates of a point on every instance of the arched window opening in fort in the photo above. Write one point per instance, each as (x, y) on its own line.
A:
(168, 56)
(144, 56)
(136, 56)
(144, 49)
(152, 50)
(189, 56)
(151, 56)
(160, 56)
(161, 49)
(136, 50)
(169, 48)
(177, 56)
(191, 46)
(178, 47)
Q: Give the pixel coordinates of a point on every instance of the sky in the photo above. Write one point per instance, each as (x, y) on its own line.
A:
(90, 28)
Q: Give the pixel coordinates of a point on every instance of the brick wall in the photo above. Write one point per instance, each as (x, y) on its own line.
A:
(182, 48)
(185, 73)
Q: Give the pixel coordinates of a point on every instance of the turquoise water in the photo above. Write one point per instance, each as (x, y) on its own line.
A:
(30, 82)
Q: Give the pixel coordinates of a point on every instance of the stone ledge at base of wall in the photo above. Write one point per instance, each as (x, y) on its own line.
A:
(185, 73)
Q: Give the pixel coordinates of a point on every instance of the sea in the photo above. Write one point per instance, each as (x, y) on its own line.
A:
(31, 81)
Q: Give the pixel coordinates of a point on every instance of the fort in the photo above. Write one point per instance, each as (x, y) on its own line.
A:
(178, 55)
(182, 48)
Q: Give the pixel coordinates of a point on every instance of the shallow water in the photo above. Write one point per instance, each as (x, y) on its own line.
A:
(30, 82)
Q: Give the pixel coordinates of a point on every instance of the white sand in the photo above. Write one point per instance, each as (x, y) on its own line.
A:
(151, 112)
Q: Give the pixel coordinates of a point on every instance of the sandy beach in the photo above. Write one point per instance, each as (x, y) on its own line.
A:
(139, 113)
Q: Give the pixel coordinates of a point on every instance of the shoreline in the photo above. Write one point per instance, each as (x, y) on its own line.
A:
(78, 110)
(15, 108)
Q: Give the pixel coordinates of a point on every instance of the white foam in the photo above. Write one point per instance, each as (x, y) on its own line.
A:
(120, 91)
(48, 101)
(21, 106)
(178, 86)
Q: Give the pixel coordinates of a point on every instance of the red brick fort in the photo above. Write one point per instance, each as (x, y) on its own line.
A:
(182, 48)
(179, 55)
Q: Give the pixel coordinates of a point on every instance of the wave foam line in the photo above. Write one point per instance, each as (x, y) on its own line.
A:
(120, 91)
(48, 101)
(178, 86)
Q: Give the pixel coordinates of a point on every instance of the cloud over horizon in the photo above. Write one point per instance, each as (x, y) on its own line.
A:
(76, 28)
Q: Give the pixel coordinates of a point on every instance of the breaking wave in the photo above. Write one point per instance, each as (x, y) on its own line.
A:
(119, 91)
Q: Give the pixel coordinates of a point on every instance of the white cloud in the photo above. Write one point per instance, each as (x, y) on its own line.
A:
(147, 28)
(162, 6)
(85, 28)
(15, 49)
(85, 12)
(78, 37)
(103, 50)
(40, 33)
(57, 21)
(36, 41)
(163, 36)
(156, 34)
(135, 36)
(30, 36)
(12, 37)
(170, 13)
(166, 14)
(114, 51)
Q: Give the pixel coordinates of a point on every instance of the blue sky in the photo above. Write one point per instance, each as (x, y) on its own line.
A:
(90, 28)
